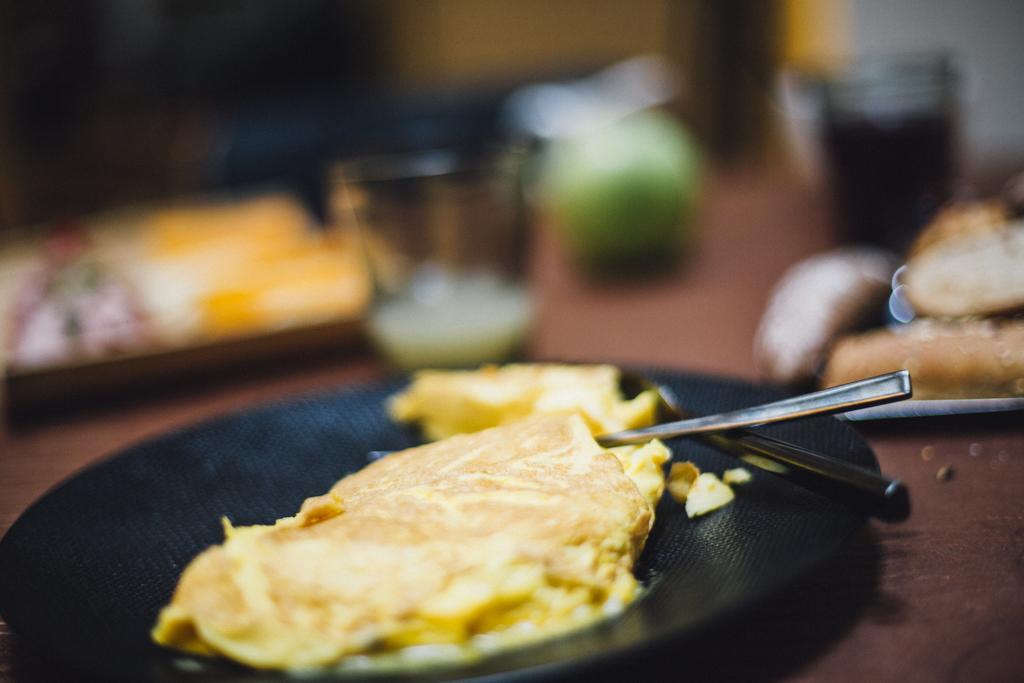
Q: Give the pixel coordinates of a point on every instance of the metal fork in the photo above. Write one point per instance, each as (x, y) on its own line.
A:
(875, 494)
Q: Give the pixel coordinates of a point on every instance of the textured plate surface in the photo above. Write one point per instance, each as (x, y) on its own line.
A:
(84, 571)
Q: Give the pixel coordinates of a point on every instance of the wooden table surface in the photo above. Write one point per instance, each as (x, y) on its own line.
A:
(937, 598)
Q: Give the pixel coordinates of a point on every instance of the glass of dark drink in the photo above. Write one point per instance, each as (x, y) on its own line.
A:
(889, 129)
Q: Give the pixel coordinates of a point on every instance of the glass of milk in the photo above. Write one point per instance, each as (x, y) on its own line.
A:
(444, 235)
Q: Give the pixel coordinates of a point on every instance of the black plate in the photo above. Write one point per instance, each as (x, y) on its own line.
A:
(84, 571)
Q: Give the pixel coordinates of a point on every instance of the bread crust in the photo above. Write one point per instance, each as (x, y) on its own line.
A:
(816, 301)
(965, 359)
(977, 271)
(961, 219)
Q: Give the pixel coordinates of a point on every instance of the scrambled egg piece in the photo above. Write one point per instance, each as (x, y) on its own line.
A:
(681, 477)
(447, 402)
(708, 493)
(703, 492)
(526, 528)
(737, 475)
(643, 464)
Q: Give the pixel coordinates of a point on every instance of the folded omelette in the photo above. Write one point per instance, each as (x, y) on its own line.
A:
(447, 402)
(525, 529)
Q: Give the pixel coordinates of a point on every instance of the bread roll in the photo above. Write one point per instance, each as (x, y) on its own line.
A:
(965, 359)
(969, 261)
(961, 219)
(817, 300)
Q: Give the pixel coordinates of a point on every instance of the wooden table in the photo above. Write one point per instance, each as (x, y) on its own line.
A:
(939, 597)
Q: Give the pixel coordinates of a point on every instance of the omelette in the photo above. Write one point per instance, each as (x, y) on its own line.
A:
(514, 532)
(447, 402)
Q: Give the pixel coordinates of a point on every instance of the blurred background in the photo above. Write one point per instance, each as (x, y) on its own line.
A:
(116, 101)
(179, 161)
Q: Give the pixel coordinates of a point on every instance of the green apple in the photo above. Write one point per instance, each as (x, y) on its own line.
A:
(622, 195)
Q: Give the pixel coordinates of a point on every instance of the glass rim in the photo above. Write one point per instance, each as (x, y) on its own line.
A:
(893, 84)
(933, 69)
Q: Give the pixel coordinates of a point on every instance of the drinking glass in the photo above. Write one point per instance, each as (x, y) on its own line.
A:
(445, 239)
(889, 128)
